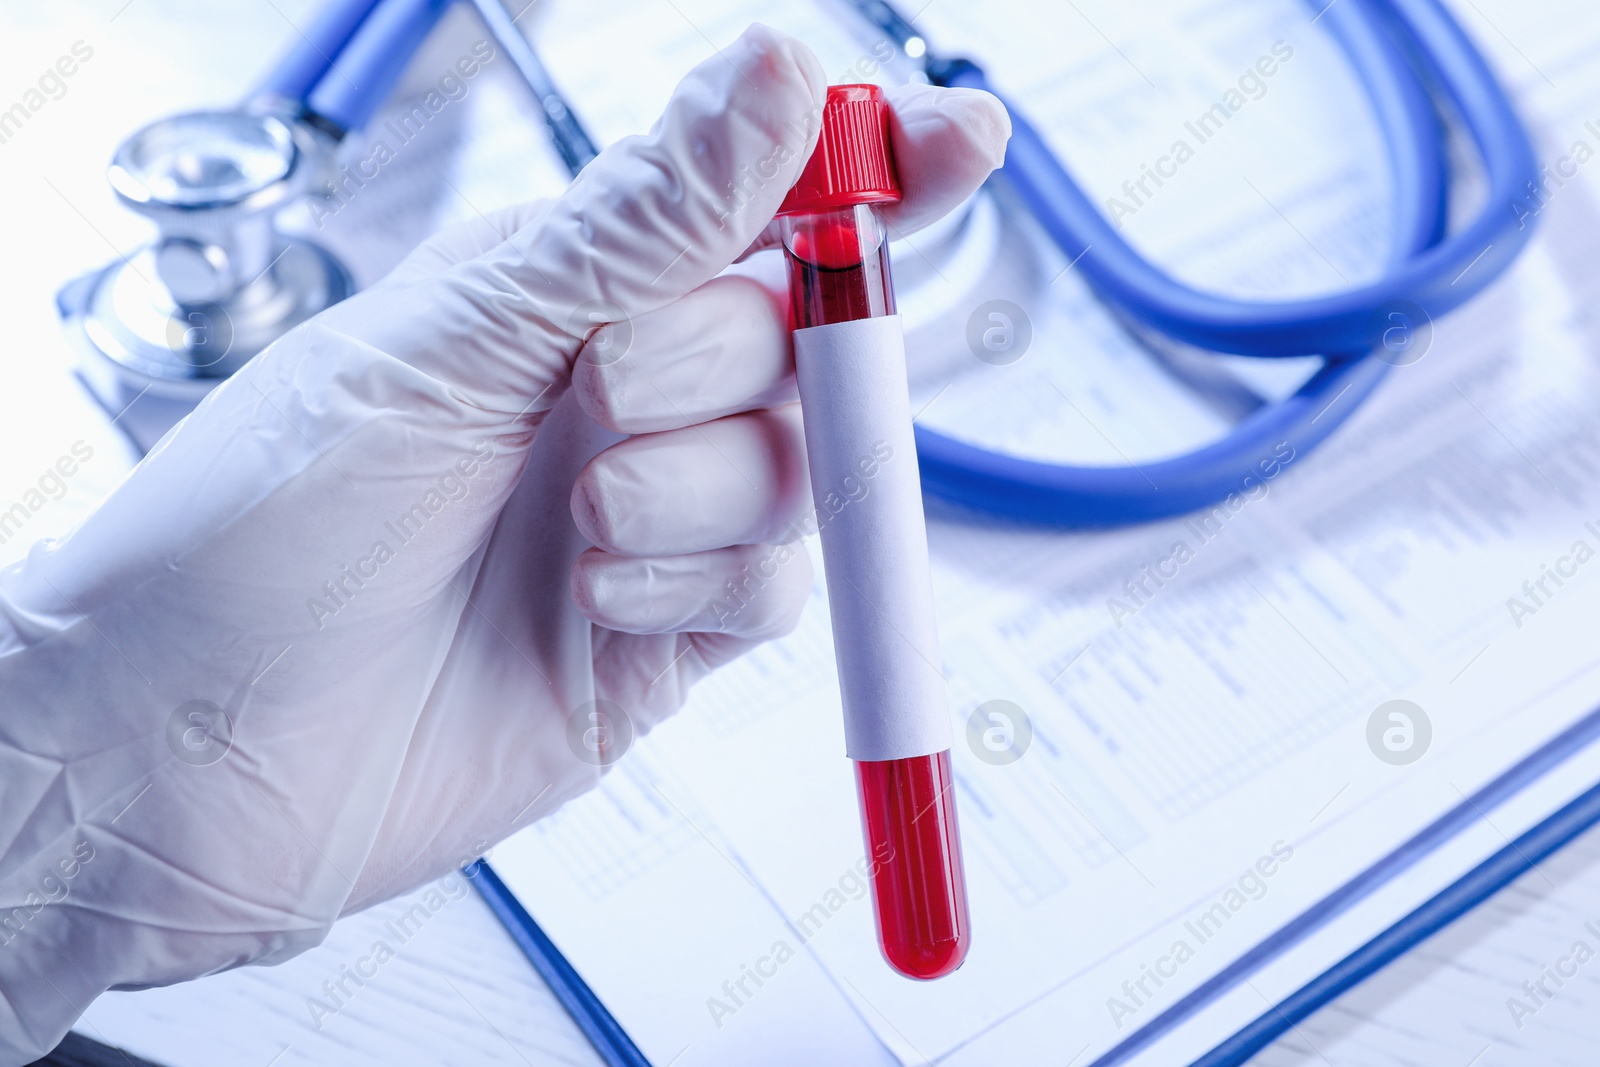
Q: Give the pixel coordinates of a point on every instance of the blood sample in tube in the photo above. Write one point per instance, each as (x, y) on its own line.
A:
(850, 363)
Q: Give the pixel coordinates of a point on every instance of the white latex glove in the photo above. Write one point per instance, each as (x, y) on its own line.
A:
(363, 549)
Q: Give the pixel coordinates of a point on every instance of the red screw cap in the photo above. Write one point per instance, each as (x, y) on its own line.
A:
(852, 163)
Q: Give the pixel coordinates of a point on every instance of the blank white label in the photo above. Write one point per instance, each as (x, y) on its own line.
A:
(863, 463)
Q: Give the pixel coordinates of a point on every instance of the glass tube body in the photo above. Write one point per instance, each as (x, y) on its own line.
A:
(839, 271)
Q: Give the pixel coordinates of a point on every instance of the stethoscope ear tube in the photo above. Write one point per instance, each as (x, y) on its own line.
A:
(1430, 274)
(372, 62)
(310, 56)
(341, 71)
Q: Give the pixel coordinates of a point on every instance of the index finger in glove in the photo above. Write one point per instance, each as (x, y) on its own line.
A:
(648, 220)
(724, 348)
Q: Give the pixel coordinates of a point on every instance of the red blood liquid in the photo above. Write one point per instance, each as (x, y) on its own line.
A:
(919, 887)
(838, 272)
(838, 267)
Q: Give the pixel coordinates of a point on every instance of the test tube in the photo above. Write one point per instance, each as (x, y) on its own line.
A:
(850, 364)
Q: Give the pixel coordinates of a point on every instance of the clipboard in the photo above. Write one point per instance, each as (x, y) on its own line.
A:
(1521, 854)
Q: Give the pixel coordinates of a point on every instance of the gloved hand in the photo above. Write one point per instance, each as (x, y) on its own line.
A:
(340, 631)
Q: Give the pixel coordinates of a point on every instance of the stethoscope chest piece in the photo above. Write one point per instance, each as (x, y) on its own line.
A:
(219, 283)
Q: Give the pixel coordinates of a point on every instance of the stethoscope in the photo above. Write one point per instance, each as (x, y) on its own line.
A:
(157, 330)
(220, 282)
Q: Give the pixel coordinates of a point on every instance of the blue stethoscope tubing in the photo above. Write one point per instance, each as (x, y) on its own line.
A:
(1405, 53)
(1399, 50)
(341, 69)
